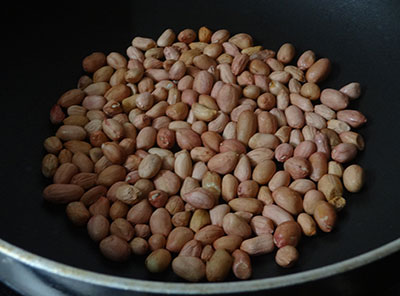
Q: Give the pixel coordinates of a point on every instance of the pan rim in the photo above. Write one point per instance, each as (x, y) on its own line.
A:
(98, 279)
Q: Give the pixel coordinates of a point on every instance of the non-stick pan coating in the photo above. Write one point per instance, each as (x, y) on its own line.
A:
(42, 48)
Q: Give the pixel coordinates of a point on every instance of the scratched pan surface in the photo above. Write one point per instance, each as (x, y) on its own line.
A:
(42, 48)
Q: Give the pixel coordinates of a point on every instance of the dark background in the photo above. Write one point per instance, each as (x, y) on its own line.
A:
(42, 48)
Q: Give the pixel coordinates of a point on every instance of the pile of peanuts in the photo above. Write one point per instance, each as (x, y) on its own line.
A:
(200, 154)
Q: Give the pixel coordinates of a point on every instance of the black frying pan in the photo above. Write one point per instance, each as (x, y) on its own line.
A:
(42, 48)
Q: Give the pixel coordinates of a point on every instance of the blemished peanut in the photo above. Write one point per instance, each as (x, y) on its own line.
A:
(176, 149)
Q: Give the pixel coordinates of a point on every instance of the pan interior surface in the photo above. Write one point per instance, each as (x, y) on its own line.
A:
(42, 59)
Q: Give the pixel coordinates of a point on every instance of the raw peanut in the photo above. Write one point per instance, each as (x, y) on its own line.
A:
(142, 230)
(220, 36)
(219, 123)
(307, 224)
(259, 155)
(229, 243)
(315, 120)
(229, 187)
(158, 261)
(286, 256)
(335, 168)
(344, 152)
(202, 112)
(52, 145)
(266, 101)
(235, 225)
(352, 90)
(311, 198)
(280, 178)
(223, 163)
(62, 193)
(319, 165)
(241, 265)
(122, 228)
(353, 178)
(150, 166)
(189, 268)
(100, 207)
(248, 189)
(261, 225)
(305, 149)
(181, 219)
(206, 253)
(212, 182)
(200, 198)
(288, 199)
(338, 126)
(192, 248)
(286, 53)
(287, 233)
(98, 227)
(167, 181)
(295, 117)
(246, 126)
(276, 214)
(49, 165)
(243, 169)
(352, 138)
(332, 136)
(71, 132)
(77, 213)
(112, 191)
(146, 138)
(325, 216)
(118, 210)
(334, 99)
(203, 82)
(166, 38)
(230, 131)
(264, 171)
(139, 246)
(156, 241)
(246, 204)
(56, 114)
(232, 145)
(160, 222)
(306, 60)
(114, 152)
(310, 90)
(199, 169)
(71, 97)
(211, 140)
(140, 213)
(302, 186)
(219, 265)
(319, 71)
(129, 194)
(205, 34)
(217, 214)
(322, 142)
(283, 152)
(227, 98)
(259, 140)
(85, 180)
(296, 137)
(258, 245)
(187, 139)
(330, 186)
(188, 185)
(208, 234)
(115, 248)
(267, 123)
(93, 194)
(297, 167)
(110, 175)
(199, 219)
(177, 238)
(93, 62)
(352, 117)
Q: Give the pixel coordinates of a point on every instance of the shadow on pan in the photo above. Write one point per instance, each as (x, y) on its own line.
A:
(42, 51)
